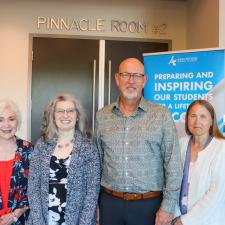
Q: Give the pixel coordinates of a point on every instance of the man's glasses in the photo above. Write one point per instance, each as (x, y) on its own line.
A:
(63, 111)
(136, 76)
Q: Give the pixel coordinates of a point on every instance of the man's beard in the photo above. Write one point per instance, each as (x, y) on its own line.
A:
(130, 95)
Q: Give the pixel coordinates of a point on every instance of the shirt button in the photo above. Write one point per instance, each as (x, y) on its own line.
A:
(127, 128)
(126, 173)
(127, 188)
(126, 143)
(126, 158)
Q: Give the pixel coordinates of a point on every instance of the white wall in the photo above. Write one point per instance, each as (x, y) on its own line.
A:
(18, 20)
(222, 23)
(203, 24)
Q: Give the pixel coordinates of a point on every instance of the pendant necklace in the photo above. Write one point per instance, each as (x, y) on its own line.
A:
(67, 144)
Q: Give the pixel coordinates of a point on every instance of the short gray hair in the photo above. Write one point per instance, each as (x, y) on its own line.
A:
(8, 103)
(49, 129)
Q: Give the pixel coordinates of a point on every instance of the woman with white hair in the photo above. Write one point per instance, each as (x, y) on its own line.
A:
(15, 155)
(64, 178)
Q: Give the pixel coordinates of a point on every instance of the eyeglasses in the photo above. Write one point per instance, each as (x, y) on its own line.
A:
(62, 111)
(136, 76)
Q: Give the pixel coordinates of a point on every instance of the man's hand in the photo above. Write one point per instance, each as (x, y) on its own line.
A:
(163, 218)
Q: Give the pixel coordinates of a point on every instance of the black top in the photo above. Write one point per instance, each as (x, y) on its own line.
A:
(58, 190)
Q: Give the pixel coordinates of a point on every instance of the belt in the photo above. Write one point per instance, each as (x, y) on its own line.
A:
(130, 196)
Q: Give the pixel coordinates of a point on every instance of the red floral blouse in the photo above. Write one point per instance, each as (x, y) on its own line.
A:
(18, 183)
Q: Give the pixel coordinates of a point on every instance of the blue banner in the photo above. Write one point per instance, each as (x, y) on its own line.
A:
(178, 78)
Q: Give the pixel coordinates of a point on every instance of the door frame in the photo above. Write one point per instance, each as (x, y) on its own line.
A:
(101, 65)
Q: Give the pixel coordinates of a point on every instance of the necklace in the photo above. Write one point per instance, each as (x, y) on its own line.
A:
(67, 144)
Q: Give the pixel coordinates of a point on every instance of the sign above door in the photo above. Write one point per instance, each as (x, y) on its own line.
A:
(99, 25)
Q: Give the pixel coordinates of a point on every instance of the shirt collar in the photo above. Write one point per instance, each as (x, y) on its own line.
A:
(142, 105)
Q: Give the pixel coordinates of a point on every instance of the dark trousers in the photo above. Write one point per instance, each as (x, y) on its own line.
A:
(117, 211)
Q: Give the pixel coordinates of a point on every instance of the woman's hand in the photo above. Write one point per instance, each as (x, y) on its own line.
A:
(97, 215)
(178, 222)
(7, 219)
